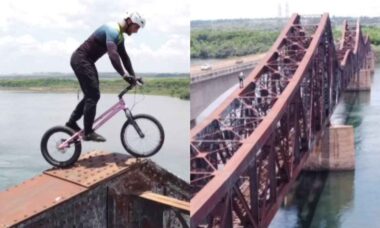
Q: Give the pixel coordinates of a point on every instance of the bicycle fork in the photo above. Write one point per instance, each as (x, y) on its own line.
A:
(129, 116)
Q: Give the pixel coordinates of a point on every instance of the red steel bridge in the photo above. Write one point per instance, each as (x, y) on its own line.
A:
(247, 154)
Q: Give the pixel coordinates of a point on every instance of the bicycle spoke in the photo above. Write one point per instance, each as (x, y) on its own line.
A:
(56, 153)
(144, 145)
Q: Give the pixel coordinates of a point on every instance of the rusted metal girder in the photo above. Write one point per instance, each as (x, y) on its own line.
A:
(246, 155)
(101, 190)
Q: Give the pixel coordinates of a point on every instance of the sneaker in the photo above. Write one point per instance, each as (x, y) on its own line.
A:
(94, 137)
(73, 125)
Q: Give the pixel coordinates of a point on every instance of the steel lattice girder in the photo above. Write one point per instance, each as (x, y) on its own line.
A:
(248, 152)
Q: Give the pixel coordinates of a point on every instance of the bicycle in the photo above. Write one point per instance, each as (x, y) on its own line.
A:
(61, 146)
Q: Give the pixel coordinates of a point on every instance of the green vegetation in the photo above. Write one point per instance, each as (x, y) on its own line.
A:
(239, 37)
(177, 87)
(372, 31)
(374, 34)
(224, 43)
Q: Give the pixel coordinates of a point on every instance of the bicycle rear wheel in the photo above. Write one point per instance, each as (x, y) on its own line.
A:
(60, 157)
(144, 145)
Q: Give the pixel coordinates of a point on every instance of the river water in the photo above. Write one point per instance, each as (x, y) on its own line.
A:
(343, 199)
(25, 116)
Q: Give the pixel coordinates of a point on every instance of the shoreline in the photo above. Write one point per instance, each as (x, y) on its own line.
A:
(178, 87)
(72, 90)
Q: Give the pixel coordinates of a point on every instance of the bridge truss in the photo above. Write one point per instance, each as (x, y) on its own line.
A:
(247, 154)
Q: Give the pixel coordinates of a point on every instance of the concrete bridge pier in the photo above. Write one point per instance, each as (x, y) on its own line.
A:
(334, 151)
(362, 82)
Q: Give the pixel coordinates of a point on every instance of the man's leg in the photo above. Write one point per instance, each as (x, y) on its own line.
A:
(88, 79)
(90, 101)
(78, 112)
(90, 82)
(76, 64)
(75, 116)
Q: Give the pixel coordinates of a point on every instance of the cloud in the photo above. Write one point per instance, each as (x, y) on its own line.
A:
(25, 54)
(172, 56)
(49, 31)
(44, 56)
(169, 55)
(41, 13)
(213, 9)
(27, 45)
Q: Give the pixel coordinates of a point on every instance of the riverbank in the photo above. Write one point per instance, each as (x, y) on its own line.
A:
(175, 87)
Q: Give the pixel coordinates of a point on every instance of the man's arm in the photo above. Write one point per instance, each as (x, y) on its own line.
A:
(112, 51)
(126, 61)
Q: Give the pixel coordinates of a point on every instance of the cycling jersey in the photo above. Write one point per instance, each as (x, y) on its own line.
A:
(107, 38)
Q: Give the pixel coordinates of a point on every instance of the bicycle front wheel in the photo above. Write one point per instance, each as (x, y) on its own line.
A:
(60, 157)
(142, 136)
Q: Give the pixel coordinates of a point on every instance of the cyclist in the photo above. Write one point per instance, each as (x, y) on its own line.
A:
(107, 38)
(241, 79)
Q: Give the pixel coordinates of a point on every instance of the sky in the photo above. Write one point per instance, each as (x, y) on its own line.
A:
(40, 35)
(222, 9)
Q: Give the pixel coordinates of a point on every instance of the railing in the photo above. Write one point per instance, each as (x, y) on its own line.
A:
(222, 71)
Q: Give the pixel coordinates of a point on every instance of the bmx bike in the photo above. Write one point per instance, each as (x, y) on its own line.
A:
(141, 135)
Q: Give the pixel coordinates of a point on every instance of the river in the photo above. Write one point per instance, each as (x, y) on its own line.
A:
(25, 116)
(342, 199)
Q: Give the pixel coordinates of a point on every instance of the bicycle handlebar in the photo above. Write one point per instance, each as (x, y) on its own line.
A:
(138, 82)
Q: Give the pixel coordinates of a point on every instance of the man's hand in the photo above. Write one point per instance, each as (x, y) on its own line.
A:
(130, 79)
(139, 80)
(133, 80)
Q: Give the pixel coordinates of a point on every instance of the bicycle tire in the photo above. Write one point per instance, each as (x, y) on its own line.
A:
(137, 153)
(46, 154)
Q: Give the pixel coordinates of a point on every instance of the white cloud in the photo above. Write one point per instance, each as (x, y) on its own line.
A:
(48, 31)
(177, 15)
(214, 9)
(172, 56)
(41, 13)
(175, 46)
(26, 54)
(27, 45)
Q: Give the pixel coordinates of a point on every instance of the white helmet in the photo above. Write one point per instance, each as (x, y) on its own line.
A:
(136, 18)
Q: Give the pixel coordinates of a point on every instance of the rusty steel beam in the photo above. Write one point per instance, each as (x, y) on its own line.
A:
(34, 196)
(116, 189)
(165, 200)
(246, 155)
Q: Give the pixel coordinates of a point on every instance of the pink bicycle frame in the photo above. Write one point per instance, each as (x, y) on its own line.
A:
(98, 122)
